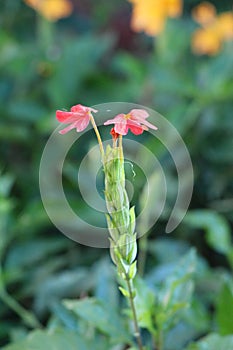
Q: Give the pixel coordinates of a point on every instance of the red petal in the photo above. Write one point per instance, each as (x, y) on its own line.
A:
(79, 109)
(121, 127)
(82, 123)
(68, 128)
(134, 127)
(64, 117)
(82, 109)
(136, 130)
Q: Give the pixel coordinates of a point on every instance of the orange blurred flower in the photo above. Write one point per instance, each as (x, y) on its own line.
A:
(174, 8)
(205, 43)
(51, 9)
(150, 15)
(215, 29)
(225, 25)
(204, 14)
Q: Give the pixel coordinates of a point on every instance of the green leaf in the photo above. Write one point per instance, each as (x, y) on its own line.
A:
(224, 312)
(101, 316)
(177, 290)
(6, 207)
(6, 184)
(160, 246)
(124, 292)
(67, 283)
(213, 342)
(217, 229)
(198, 317)
(133, 270)
(132, 220)
(106, 284)
(31, 252)
(112, 228)
(145, 304)
(59, 340)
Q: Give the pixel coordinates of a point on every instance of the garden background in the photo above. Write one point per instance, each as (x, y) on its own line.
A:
(92, 52)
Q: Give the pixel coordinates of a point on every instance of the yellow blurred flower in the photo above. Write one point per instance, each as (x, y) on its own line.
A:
(174, 8)
(51, 9)
(205, 43)
(150, 15)
(205, 13)
(225, 25)
(215, 29)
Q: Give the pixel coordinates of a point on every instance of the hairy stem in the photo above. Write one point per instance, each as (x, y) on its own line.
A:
(135, 320)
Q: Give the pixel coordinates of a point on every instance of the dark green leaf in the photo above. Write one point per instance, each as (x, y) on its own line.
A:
(100, 316)
(224, 312)
(217, 229)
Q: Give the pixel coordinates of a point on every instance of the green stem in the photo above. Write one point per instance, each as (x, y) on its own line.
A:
(121, 147)
(28, 318)
(135, 320)
(143, 244)
(98, 136)
(160, 340)
(45, 33)
(230, 258)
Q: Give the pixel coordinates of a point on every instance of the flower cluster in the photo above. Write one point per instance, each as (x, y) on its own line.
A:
(215, 29)
(150, 15)
(79, 118)
(51, 9)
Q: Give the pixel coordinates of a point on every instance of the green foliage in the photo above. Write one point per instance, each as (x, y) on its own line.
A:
(224, 310)
(213, 342)
(160, 308)
(218, 234)
(98, 315)
(185, 292)
(57, 339)
(176, 293)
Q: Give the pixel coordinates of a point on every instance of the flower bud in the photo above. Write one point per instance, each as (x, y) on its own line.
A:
(112, 228)
(127, 246)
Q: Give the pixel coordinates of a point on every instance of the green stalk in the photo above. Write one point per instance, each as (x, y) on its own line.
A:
(143, 244)
(98, 136)
(121, 225)
(27, 317)
(137, 333)
(160, 339)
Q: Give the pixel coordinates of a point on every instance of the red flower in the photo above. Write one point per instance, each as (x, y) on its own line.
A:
(78, 118)
(135, 121)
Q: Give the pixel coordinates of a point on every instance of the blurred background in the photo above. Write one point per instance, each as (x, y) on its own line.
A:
(175, 58)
